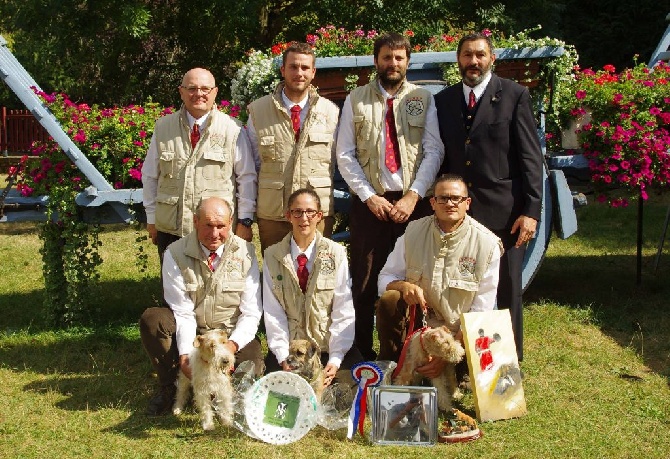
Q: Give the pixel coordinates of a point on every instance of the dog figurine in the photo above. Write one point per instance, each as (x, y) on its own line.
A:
(304, 359)
(211, 365)
(427, 343)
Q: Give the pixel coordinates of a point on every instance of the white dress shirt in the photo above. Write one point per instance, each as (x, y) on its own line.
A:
(479, 89)
(352, 172)
(174, 292)
(244, 168)
(342, 314)
(484, 300)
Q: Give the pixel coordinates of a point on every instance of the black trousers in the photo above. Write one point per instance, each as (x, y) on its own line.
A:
(509, 286)
(370, 243)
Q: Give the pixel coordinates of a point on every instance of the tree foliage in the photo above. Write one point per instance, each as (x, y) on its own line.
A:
(116, 52)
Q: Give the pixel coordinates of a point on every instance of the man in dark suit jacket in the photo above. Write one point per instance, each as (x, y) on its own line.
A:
(490, 138)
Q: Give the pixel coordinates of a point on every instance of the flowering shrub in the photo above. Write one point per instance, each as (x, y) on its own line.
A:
(257, 77)
(115, 140)
(627, 140)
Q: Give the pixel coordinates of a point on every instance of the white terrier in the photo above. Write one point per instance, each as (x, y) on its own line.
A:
(211, 364)
(433, 342)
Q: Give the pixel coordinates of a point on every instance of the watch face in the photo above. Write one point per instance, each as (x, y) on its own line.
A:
(246, 222)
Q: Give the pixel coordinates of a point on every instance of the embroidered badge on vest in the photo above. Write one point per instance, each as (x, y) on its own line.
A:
(318, 118)
(466, 265)
(414, 106)
(233, 266)
(217, 141)
(327, 262)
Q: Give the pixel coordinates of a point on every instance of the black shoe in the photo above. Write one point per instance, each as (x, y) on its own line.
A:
(162, 402)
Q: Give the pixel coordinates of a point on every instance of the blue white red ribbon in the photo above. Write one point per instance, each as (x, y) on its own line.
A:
(365, 374)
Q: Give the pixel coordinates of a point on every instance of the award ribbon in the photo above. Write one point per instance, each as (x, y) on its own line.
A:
(366, 374)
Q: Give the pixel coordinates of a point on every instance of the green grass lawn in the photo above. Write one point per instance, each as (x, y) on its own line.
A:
(596, 374)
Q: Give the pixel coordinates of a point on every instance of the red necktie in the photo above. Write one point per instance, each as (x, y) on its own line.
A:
(471, 101)
(295, 119)
(303, 274)
(392, 153)
(195, 135)
(210, 260)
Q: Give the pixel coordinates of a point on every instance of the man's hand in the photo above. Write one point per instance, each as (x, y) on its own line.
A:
(404, 207)
(526, 227)
(411, 293)
(153, 233)
(379, 207)
(185, 365)
(433, 368)
(244, 232)
(329, 374)
(232, 346)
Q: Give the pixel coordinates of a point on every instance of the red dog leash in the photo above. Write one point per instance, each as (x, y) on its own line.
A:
(410, 333)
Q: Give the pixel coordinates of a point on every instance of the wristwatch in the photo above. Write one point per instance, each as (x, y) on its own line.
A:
(246, 222)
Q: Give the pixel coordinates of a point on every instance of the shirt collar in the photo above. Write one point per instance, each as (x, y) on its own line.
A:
(288, 103)
(206, 251)
(309, 251)
(201, 122)
(479, 89)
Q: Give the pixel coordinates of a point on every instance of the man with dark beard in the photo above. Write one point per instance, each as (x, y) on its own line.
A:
(388, 152)
(490, 137)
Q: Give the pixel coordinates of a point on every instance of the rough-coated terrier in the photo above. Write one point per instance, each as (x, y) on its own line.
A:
(304, 359)
(211, 365)
(433, 342)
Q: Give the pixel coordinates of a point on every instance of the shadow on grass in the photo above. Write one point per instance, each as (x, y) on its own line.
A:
(116, 302)
(634, 316)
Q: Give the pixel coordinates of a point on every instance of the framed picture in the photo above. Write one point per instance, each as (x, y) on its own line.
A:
(495, 375)
(404, 415)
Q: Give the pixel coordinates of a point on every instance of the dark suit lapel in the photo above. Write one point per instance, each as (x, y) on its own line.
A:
(491, 96)
(454, 108)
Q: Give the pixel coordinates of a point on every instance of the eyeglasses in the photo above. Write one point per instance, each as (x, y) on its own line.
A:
(456, 200)
(194, 89)
(298, 213)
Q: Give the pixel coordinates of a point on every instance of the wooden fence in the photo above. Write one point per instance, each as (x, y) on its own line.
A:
(18, 130)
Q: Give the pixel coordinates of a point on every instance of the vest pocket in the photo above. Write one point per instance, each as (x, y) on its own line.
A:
(319, 143)
(165, 164)
(214, 165)
(267, 148)
(416, 127)
(271, 204)
(362, 127)
(323, 188)
(468, 286)
(166, 212)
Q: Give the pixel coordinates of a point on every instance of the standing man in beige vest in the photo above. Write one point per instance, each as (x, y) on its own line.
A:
(197, 152)
(307, 292)
(388, 151)
(292, 135)
(211, 281)
(446, 263)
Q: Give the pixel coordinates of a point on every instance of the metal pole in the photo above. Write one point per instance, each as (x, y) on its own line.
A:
(662, 240)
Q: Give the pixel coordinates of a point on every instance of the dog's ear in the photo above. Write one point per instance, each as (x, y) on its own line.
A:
(197, 341)
(223, 337)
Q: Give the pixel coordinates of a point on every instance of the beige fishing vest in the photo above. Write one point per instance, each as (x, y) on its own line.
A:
(448, 267)
(409, 108)
(217, 294)
(185, 175)
(287, 165)
(309, 313)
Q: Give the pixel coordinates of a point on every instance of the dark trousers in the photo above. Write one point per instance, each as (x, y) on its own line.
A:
(343, 375)
(157, 331)
(393, 323)
(371, 241)
(509, 285)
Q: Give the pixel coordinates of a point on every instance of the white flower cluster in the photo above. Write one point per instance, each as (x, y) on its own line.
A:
(256, 78)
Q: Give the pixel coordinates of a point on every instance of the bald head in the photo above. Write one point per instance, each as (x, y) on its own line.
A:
(198, 91)
(212, 221)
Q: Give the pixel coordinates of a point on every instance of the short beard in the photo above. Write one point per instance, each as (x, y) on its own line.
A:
(390, 82)
(472, 82)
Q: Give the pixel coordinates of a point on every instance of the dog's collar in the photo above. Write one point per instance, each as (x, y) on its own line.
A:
(421, 331)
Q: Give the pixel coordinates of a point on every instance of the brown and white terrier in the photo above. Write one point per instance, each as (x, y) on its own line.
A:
(304, 359)
(424, 345)
(211, 365)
